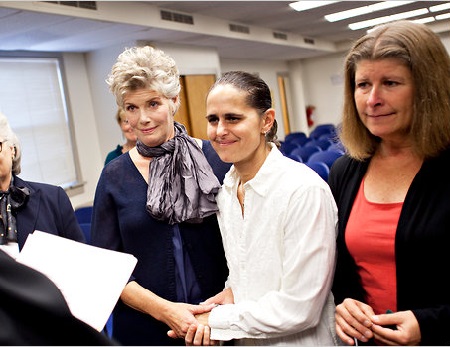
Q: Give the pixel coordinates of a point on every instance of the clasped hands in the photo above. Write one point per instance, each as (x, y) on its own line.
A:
(198, 331)
(357, 321)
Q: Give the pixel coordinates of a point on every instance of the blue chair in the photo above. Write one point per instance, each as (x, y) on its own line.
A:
(332, 137)
(84, 214)
(337, 146)
(328, 157)
(323, 129)
(320, 168)
(294, 156)
(86, 228)
(323, 144)
(305, 152)
(108, 329)
(296, 137)
(287, 147)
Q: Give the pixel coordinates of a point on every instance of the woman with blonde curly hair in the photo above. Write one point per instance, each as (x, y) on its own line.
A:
(157, 202)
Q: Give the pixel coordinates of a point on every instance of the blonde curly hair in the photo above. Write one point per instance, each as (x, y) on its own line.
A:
(144, 68)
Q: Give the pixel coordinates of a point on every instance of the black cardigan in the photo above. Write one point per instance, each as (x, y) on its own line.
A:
(422, 244)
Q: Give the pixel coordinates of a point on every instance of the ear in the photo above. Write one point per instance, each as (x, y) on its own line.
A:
(268, 119)
(176, 104)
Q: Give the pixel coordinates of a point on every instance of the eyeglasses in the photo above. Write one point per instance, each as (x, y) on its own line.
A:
(1, 145)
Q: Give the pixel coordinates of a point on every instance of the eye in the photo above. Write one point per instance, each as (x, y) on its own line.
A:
(391, 83)
(130, 108)
(362, 85)
(232, 118)
(153, 103)
(212, 119)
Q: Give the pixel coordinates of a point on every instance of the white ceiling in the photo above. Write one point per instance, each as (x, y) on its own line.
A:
(40, 26)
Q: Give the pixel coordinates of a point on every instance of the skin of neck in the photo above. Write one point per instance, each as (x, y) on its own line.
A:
(248, 169)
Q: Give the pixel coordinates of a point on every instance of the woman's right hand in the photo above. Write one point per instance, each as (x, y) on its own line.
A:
(179, 317)
(224, 297)
(353, 321)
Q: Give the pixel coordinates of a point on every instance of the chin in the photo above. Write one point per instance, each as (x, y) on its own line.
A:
(226, 158)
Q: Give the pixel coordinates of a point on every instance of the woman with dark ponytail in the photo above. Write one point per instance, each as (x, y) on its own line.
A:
(278, 223)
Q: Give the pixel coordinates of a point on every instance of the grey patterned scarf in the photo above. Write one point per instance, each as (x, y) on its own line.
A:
(181, 184)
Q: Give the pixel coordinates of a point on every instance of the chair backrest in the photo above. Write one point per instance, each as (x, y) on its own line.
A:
(305, 152)
(86, 228)
(321, 168)
(337, 146)
(295, 157)
(84, 214)
(323, 129)
(297, 137)
(287, 147)
(323, 144)
(328, 157)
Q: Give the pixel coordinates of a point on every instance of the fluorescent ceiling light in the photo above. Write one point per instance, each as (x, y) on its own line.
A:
(440, 7)
(334, 17)
(424, 20)
(307, 5)
(386, 19)
(443, 16)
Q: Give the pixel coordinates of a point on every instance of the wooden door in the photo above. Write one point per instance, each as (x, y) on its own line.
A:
(192, 112)
(284, 106)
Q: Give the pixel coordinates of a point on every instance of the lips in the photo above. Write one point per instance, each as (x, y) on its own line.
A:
(379, 115)
(148, 130)
(225, 143)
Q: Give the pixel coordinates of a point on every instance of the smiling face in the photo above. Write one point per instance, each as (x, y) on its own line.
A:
(150, 115)
(235, 129)
(384, 92)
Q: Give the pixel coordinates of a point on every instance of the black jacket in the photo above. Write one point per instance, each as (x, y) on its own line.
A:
(34, 312)
(422, 244)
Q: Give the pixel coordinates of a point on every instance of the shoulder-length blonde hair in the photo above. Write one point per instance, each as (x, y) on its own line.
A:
(422, 51)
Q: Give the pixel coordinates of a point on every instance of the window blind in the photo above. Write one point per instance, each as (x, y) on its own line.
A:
(32, 98)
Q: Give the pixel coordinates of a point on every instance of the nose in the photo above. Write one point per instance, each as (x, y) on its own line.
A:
(144, 115)
(375, 98)
(221, 128)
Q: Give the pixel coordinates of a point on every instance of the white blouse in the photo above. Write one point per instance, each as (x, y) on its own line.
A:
(281, 256)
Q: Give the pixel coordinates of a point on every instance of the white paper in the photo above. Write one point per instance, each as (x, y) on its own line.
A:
(90, 278)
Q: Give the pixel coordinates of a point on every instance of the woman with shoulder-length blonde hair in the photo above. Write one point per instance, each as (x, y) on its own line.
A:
(392, 189)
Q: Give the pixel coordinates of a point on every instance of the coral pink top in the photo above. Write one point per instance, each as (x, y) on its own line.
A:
(370, 238)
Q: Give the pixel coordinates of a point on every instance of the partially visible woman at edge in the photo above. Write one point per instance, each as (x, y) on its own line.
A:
(157, 202)
(393, 190)
(278, 221)
(28, 206)
(128, 134)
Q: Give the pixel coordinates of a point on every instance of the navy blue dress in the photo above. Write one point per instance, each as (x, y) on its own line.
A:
(120, 222)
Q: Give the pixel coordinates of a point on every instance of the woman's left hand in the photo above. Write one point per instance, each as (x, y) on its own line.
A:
(201, 314)
(199, 336)
(405, 333)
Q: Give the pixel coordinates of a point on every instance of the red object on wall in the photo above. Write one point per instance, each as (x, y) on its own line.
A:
(309, 113)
